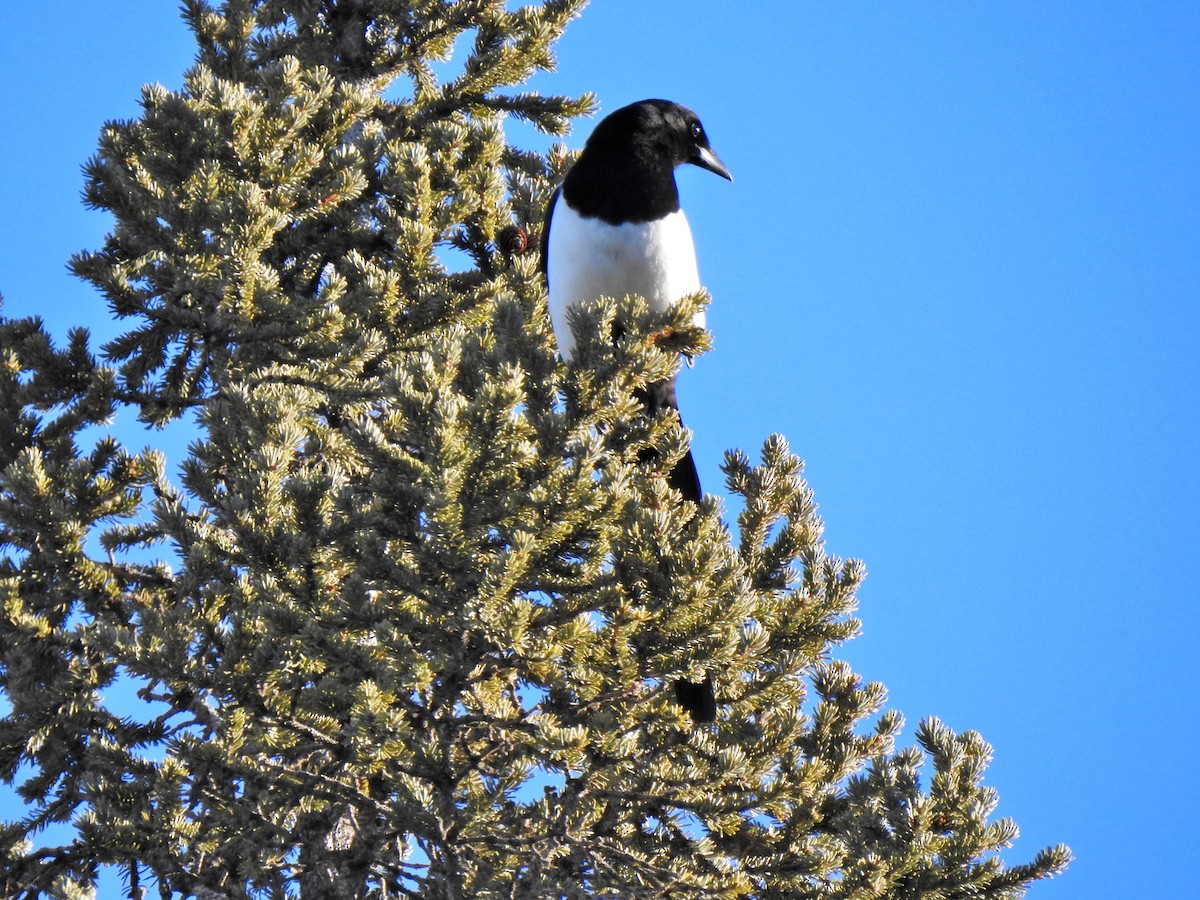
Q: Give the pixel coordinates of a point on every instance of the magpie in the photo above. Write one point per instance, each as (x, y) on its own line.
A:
(615, 228)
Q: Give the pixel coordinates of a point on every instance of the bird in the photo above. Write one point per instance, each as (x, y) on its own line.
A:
(615, 227)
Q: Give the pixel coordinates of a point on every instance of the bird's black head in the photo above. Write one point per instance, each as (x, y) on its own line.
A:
(657, 132)
(626, 172)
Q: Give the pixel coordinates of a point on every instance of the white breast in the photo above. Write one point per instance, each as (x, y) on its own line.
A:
(588, 258)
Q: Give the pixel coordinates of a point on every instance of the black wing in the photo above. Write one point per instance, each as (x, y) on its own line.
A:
(543, 260)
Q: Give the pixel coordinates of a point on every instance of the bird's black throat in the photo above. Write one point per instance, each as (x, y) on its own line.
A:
(602, 185)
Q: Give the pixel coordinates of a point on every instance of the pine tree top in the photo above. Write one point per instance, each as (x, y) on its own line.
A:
(405, 618)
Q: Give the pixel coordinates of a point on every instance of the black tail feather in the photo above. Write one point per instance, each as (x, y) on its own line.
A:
(683, 477)
(698, 698)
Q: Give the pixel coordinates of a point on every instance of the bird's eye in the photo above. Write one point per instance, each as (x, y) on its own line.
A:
(697, 131)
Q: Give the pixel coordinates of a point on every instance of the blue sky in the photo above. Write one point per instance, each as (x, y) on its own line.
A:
(958, 268)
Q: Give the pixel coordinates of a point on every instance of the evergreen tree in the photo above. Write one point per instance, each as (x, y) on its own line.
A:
(423, 597)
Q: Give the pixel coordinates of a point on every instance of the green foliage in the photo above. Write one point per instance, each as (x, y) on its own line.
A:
(421, 602)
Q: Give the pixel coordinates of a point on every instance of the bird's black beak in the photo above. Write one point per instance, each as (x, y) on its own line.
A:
(706, 159)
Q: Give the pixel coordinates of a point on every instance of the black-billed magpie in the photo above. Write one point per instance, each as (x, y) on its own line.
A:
(615, 228)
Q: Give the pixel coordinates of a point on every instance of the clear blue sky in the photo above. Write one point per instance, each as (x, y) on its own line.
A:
(958, 268)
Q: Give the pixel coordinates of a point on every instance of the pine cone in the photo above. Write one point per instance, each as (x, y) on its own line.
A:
(513, 240)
